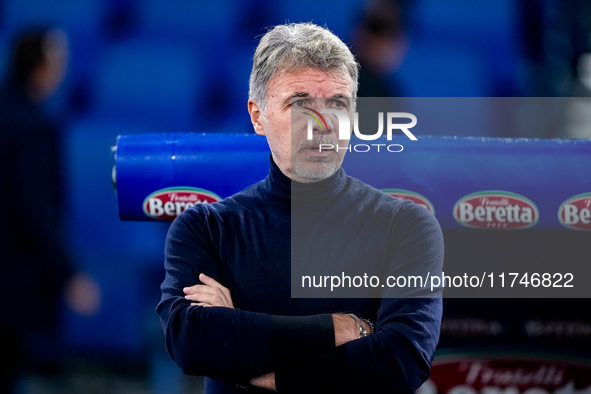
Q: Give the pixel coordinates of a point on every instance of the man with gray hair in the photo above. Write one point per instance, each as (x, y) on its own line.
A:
(226, 306)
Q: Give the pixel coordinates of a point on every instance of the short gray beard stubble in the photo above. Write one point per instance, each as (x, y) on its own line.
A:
(315, 175)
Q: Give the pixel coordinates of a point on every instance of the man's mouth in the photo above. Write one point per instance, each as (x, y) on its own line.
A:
(320, 150)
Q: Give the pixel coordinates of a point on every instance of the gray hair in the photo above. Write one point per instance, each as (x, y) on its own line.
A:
(296, 46)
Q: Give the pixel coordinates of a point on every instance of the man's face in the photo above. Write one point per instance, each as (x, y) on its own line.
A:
(285, 124)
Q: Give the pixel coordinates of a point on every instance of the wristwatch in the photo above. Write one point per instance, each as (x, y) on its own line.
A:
(362, 331)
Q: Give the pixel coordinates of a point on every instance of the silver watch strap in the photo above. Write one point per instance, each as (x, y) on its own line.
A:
(362, 331)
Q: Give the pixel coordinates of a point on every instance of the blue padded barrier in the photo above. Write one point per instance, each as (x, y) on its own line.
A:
(468, 182)
(504, 334)
(222, 163)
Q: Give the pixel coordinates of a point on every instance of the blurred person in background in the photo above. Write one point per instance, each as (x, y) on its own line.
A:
(380, 45)
(35, 269)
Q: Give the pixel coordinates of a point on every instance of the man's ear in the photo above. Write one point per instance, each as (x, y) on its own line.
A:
(256, 117)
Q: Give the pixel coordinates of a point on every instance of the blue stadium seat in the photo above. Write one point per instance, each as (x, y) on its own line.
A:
(208, 25)
(340, 17)
(155, 81)
(81, 15)
(468, 20)
(232, 115)
(489, 29)
(443, 70)
(81, 19)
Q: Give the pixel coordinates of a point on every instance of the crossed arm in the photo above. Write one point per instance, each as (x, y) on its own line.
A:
(212, 339)
(237, 345)
(211, 293)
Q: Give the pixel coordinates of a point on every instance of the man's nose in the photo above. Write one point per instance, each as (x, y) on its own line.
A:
(331, 123)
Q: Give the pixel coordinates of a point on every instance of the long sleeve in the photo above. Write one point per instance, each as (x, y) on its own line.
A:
(246, 242)
(221, 342)
(397, 357)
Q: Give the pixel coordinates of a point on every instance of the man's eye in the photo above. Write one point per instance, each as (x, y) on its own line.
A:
(339, 104)
(299, 103)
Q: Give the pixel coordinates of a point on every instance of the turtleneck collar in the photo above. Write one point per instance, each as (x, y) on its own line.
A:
(290, 194)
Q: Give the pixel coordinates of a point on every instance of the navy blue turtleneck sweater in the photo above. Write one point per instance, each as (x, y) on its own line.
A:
(246, 243)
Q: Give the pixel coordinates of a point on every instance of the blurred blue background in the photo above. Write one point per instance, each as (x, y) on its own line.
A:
(183, 66)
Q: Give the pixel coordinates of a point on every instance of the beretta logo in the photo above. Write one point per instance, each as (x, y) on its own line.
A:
(417, 198)
(167, 204)
(495, 209)
(575, 212)
(512, 371)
